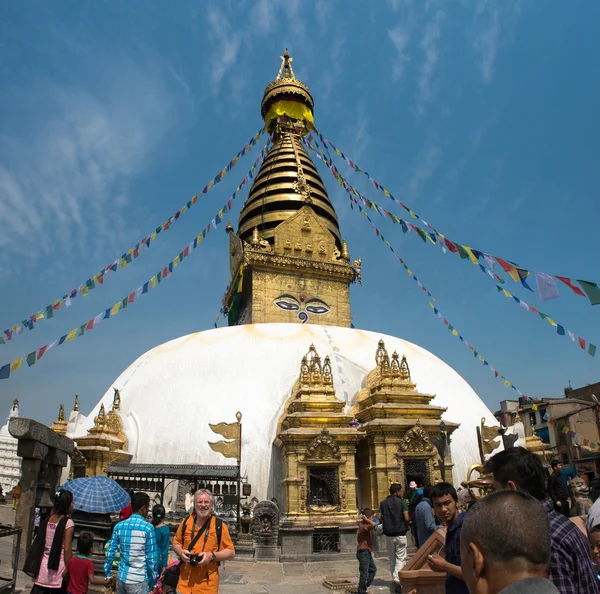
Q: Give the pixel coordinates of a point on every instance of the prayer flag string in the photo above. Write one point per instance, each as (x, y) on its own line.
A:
(131, 254)
(432, 300)
(153, 282)
(546, 283)
(583, 343)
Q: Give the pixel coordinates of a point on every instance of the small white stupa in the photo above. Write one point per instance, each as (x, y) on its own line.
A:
(10, 463)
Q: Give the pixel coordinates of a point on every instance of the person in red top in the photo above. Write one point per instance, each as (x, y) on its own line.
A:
(126, 512)
(364, 551)
(80, 569)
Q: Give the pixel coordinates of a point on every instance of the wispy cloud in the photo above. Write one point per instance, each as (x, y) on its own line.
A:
(429, 46)
(425, 168)
(64, 182)
(225, 43)
(332, 75)
(492, 20)
(399, 36)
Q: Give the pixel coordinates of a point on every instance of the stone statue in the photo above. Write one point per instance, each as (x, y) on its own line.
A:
(246, 519)
(265, 524)
(580, 493)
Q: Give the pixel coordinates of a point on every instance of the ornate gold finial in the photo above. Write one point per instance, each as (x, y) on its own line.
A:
(381, 354)
(76, 406)
(60, 425)
(286, 66)
(100, 419)
(255, 237)
(229, 227)
(15, 403)
(345, 253)
(404, 369)
(238, 416)
(116, 400)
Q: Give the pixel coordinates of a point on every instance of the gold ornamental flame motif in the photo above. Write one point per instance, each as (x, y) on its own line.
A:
(483, 483)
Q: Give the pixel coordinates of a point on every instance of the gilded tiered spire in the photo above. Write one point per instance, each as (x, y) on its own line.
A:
(76, 406)
(288, 261)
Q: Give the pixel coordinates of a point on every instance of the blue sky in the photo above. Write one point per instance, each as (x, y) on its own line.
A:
(482, 116)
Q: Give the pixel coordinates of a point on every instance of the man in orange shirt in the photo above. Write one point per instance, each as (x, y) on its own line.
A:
(198, 545)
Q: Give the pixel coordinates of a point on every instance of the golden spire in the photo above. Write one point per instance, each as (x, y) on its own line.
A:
(60, 425)
(76, 406)
(15, 403)
(99, 420)
(116, 400)
(404, 370)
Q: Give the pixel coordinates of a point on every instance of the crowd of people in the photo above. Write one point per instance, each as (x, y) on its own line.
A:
(137, 554)
(518, 539)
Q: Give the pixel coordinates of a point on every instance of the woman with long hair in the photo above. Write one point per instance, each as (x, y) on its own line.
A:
(163, 534)
(52, 548)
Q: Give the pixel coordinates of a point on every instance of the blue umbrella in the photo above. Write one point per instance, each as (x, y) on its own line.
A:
(97, 494)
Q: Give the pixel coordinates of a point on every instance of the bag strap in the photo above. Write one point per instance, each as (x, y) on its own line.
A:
(219, 528)
(202, 530)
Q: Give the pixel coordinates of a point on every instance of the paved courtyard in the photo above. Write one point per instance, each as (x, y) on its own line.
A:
(246, 577)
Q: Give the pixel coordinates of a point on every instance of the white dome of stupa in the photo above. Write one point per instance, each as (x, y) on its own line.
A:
(170, 394)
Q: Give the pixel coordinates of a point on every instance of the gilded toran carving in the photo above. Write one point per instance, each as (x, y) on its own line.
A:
(323, 447)
(416, 441)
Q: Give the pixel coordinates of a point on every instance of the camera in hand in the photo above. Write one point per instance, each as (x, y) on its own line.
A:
(195, 559)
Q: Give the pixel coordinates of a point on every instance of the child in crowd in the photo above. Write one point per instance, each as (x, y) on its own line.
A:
(364, 551)
(80, 570)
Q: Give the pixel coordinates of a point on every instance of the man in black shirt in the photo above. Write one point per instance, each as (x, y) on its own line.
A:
(558, 490)
(393, 513)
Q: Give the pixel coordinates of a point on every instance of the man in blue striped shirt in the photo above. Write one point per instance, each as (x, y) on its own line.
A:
(134, 539)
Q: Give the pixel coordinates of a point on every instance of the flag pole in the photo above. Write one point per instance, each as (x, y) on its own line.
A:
(238, 416)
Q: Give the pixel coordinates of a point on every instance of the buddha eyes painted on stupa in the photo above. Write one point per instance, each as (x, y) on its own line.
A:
(303, 306)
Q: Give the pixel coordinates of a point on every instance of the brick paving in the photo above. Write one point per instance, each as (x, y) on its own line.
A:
(240, 576)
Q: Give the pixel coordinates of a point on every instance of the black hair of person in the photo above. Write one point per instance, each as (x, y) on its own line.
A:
(509, 526)
(368, 512)
(555, 463)
(395, 489)
(85, 543)
(158, 514)
(139, 500)
(520, 466)
(427, 492)
(442, 490)
(62, 502)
